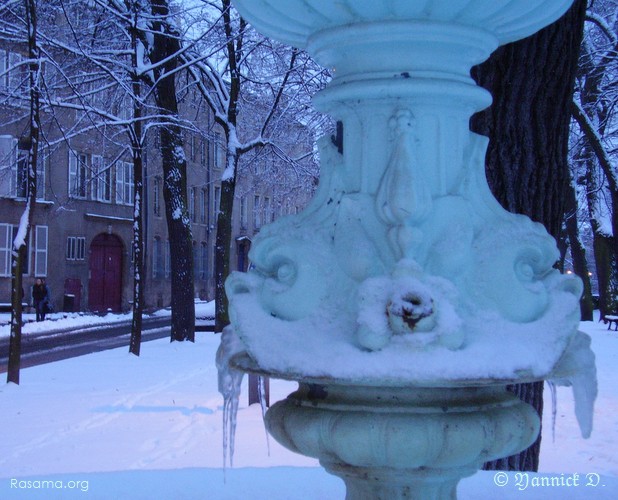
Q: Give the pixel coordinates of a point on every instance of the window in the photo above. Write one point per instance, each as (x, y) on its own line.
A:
(203, 206)
(219, 151)
(26, 262)
(192, 203)
(268, 211)
(71, 244)
(79, 165)
(196, 261)
(157, 259)
(42, 156)
(13, 74)
(8, 232)
(257, 212)
(203, 155)
(168, 259)
(8, 164)
(4, 66)
(217, 200)
(192, 147)
(20, 189)
(76, 248)
(125, 110)
(101, 180)
(244, 213)
(14, 169)
(204, 261)
(40, 251)
(124, 183)
(156, 196)
(6, 242)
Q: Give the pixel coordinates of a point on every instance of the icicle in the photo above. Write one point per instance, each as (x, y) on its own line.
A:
(553, 389)
(229, 386)
(584, 393)
(262, 397)
(576, 368)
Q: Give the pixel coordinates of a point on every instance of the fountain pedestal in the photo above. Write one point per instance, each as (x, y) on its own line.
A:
(395, 443)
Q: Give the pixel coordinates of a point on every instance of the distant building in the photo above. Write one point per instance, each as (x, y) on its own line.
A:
(81, 233)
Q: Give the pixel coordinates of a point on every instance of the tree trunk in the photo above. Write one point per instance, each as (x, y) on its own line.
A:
(223, 246)
(606, 275)
(19, 247)
(14, 361)
(528, 125)
(598, 164)
(166, 48)
(593, 116)
(138, 240)
(138, 198)
(578, 252)
(234, 48)
(603, 243)
(138, 248)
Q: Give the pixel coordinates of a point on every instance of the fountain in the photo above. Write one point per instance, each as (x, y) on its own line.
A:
(404, 298)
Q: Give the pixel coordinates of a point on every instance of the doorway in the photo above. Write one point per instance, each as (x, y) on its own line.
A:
(105, 283)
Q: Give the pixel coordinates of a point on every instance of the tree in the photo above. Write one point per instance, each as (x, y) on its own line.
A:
(165, 56)
(127, 52)
(19, 245)
(594, 112)
(528, 125)
(235, 67)
(97, 78)
(137, 143)
(578, 250)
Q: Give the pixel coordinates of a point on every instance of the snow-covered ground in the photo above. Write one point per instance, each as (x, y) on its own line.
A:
(110, 425)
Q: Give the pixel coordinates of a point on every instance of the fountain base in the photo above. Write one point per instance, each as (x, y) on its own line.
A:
(395, 443)
(398, 484)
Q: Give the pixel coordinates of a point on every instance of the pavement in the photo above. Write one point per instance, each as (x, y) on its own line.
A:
(52, 341)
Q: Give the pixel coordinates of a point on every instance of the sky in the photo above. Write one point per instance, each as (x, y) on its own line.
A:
(111, 425)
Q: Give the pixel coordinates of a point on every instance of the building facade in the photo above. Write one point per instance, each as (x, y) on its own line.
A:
(82, 226)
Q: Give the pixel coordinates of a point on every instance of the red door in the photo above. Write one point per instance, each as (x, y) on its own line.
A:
(105, 284)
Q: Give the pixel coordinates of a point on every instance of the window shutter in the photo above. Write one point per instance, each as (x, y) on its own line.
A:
(40, 172)
(3, 69)
(16, 73)
(40, 255)
(8, 164)
(129, 184)
(6, 231)
(98, 184)
(119, 182)
(72, 173)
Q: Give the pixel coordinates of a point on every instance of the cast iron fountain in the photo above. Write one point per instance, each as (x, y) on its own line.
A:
(404, 298)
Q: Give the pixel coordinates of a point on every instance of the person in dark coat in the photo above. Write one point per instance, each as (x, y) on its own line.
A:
(40, 298)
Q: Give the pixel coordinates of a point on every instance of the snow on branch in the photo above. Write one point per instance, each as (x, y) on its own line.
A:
(596, 142)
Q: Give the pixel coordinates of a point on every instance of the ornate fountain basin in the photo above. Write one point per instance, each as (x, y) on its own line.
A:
(404, 264)
(295, 21)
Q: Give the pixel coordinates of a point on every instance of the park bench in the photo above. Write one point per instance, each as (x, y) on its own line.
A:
(205, 324)
(609, 320)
